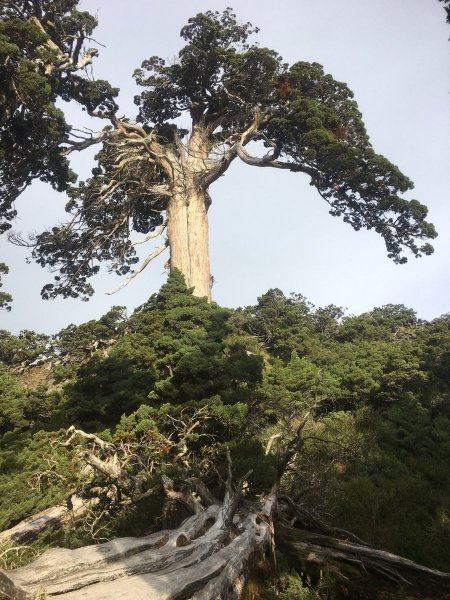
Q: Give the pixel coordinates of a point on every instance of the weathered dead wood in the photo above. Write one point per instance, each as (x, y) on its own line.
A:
(352, 563)
(201, 559)
(9, 591)
(205, 559)
(183, 497)
(209, 556)
(55, 516)
(130, 486)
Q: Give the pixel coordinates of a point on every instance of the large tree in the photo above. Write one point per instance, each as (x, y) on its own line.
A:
(222, 99)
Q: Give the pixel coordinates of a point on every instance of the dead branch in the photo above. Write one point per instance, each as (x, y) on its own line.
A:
(293, 446)
(87, 436)
(232, 494)
(355, 563)
(141, 267)
(270, 441)
(184, 497)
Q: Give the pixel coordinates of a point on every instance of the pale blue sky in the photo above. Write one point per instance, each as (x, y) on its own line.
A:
(269, 228)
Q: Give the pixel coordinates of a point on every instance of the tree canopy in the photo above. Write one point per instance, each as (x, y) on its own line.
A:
(354, 410)
(152, 173)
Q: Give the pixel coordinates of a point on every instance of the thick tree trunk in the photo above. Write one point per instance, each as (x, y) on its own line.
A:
(187, 218)
(188, 238)
(204, 559)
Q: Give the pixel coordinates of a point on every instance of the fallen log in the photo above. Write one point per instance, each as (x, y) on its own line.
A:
(204, 558)
(209, 556)
(355, 564)
(55, 516)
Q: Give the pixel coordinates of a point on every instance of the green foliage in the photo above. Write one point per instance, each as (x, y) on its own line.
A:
(248, 455)
(180, 381)
(408, 490)
(20, 408)
(231, 90)
(268, 582)
(173, 350)
(310, 118)
(23, 348)
(379, 390)
(41, 45)
(446, 8)
(5, 298)
(30, 474)
(12, 401)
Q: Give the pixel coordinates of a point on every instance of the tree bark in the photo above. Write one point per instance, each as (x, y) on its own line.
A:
(203, 560)
(187, 229)
(187, 218)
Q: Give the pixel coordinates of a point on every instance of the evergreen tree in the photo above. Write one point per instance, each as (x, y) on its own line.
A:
(153, 175)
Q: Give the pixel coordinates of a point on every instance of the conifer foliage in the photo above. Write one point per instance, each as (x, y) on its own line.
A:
(353, 411)
(153, 176)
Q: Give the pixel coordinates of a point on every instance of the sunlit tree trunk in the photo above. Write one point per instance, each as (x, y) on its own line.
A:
(188, 239)
(187, 218)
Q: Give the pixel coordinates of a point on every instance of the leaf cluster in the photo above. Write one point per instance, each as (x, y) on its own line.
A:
(5, 298)
(41, 44)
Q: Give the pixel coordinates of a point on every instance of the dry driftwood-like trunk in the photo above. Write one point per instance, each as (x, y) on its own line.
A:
(208, 556)
(355, 565)
(55, 516)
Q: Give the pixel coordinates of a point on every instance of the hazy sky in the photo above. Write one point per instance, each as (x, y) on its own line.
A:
(269, 228)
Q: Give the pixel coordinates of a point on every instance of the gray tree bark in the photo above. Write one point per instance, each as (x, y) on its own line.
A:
(209, 557)
(203, 559)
